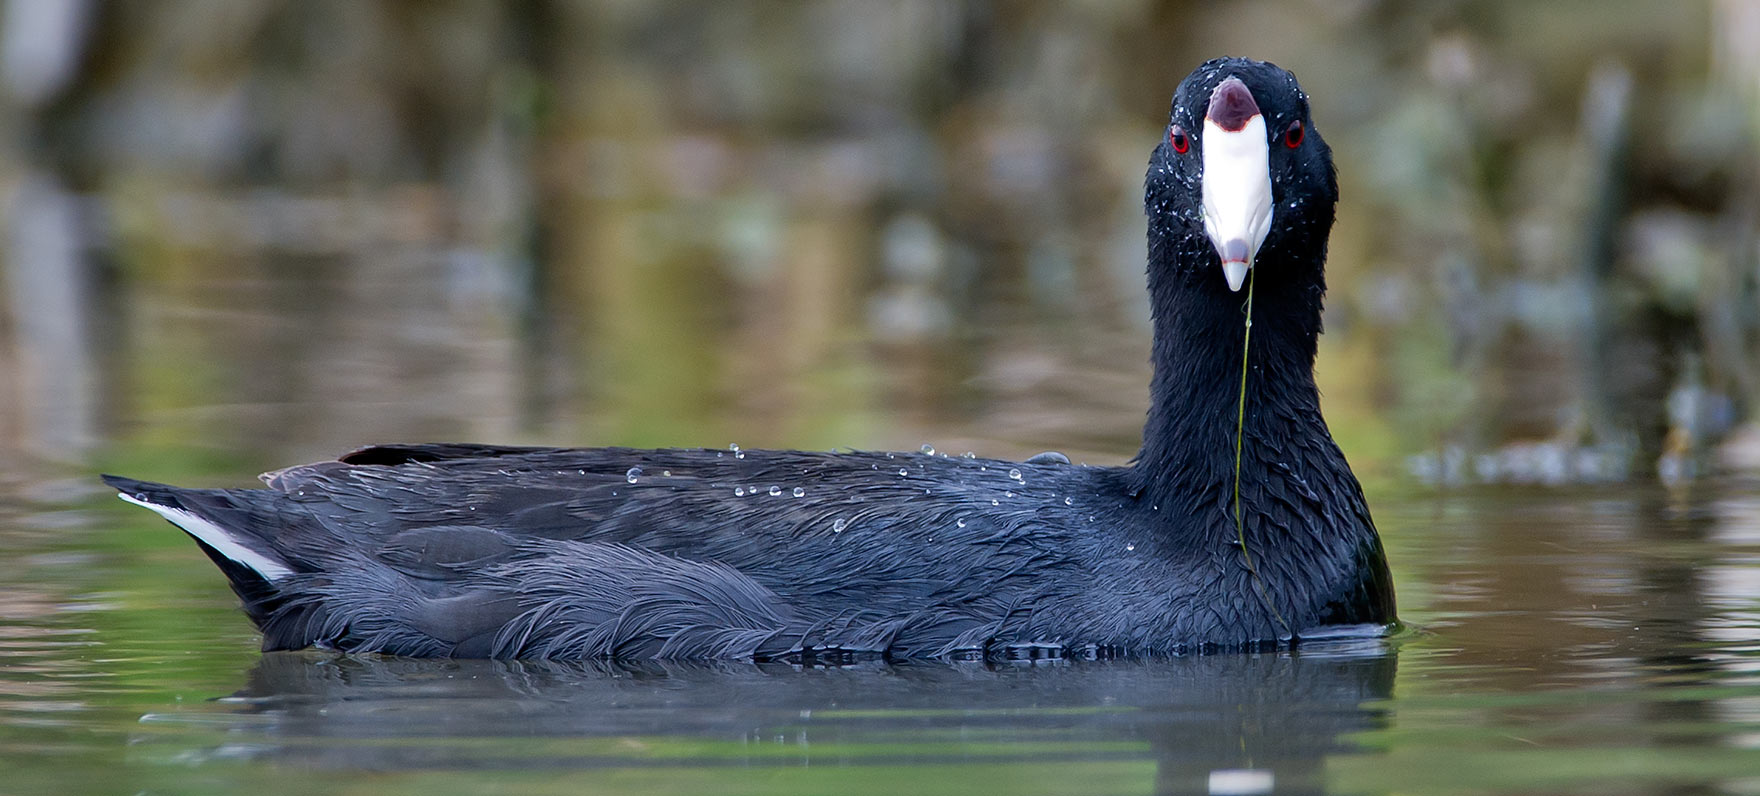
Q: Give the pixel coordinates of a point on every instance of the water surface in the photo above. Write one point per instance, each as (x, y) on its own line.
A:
(1572, 640)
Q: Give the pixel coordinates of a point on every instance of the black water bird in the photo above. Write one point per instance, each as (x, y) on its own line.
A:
(511, 552)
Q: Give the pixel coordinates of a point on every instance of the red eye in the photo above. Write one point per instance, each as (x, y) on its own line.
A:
(1178, 139)
(1292, 137)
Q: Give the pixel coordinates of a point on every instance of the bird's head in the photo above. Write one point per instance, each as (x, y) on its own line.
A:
(1241, 179)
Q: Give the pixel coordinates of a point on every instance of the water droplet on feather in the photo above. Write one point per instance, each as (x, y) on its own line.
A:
(799, 492)
(633, 474)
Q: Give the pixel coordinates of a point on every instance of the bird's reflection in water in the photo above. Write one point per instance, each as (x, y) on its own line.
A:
(1270, 719)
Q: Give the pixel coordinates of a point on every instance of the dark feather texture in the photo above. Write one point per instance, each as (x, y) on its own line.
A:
(488, 551)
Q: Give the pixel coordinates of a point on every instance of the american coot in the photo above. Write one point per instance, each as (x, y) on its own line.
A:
(508, 552)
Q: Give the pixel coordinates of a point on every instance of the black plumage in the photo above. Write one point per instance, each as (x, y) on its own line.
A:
(487, 551)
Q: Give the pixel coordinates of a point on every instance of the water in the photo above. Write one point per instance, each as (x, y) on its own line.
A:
(1587, 640)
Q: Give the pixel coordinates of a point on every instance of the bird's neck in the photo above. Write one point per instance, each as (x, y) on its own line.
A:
(1315, 556)
(1195, 415)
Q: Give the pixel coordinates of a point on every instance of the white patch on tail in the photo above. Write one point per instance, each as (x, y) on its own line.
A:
(216, 537)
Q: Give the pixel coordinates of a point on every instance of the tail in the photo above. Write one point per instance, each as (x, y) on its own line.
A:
(234, 527)
(195, 511)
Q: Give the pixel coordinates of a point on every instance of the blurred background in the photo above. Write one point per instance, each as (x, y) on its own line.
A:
(240, 234)
(243, 234)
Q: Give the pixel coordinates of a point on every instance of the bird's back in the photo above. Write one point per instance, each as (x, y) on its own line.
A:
(521, 552)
